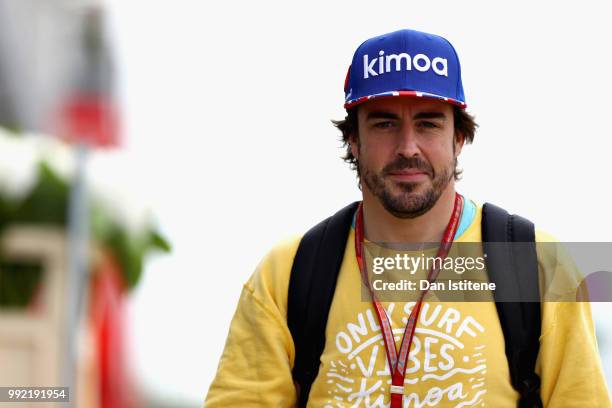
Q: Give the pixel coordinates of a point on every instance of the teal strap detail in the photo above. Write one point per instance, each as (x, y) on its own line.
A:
(467, 216)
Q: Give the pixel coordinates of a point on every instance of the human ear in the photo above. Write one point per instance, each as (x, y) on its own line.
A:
(354, 141)
(459, 141)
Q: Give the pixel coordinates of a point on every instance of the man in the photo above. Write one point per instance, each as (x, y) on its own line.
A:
(405, 127)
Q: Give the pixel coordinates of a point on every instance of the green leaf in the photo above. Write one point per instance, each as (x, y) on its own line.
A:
(47, 203)
(158, 242)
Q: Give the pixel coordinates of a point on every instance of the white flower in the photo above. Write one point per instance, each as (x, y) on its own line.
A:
(118, 183)
(18, 158)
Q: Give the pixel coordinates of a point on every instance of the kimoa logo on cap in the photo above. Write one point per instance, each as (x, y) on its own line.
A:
(420, 62)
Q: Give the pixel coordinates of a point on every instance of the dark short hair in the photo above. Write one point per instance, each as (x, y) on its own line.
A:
(464, 125)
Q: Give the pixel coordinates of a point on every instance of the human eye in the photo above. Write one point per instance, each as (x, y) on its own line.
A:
(426, 124)
(387, 124)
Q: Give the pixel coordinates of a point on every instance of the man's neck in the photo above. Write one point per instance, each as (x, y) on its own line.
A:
(382, 226)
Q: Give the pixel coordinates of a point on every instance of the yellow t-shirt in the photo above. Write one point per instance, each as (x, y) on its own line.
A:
(457, 358)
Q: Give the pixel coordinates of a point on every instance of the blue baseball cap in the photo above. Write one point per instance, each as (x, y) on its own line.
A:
(404, 63)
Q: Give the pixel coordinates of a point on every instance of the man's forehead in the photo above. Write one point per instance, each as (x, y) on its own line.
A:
(404, 105)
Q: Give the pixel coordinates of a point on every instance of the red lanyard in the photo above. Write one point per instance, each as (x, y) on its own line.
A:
(397, 364)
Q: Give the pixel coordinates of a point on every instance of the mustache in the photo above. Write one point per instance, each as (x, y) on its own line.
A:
(405, 163)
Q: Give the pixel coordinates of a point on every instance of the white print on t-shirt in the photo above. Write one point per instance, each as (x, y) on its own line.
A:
(445, 356)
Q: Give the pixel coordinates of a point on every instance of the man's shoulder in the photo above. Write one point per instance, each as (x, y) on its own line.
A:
(545, 236)
(282, 252)
(270, 281)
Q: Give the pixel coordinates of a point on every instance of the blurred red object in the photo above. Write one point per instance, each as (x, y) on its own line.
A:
(117, 389)
(89, 118)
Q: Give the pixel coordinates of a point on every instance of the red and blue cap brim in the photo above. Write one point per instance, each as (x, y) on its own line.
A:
(412, 94)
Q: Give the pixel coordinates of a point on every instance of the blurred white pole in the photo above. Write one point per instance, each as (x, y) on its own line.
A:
(78, 267)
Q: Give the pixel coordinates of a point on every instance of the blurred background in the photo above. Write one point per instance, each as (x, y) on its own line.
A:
(151, 153)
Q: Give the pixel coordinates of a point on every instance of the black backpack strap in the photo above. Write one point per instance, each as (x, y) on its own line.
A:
(311, 289)
(514, 269)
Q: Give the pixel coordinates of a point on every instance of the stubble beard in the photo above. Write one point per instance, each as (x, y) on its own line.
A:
(408, 203)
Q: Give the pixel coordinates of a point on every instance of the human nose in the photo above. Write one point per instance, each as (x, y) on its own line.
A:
(407, 142)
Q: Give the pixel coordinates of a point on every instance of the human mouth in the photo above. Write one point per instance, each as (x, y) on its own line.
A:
(408, 175)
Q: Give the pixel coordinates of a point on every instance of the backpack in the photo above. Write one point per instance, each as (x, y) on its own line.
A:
(514, 270)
